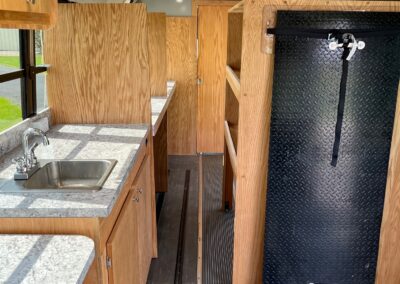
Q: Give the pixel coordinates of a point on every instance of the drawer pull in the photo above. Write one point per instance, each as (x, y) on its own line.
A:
(135, 199)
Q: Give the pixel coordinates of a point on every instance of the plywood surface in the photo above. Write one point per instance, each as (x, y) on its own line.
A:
(212, 33)
(389, 244)
(233, 81)
(181, 67)
(235, 33)
(99, 64)
(161, 157)
(157, 53)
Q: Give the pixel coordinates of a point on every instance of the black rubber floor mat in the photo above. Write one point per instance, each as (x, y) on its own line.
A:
(323, 222)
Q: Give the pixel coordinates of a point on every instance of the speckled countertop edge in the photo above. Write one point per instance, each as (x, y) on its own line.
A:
(121, 146)
(45, 258)
(159, 106)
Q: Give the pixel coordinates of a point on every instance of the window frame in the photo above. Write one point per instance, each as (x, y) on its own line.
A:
(27, 73)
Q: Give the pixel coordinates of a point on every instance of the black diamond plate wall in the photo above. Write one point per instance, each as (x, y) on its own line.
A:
(323, 222)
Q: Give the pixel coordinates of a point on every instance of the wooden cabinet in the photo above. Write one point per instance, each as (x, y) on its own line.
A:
(32, 14)
(129, 248)
(123, 246)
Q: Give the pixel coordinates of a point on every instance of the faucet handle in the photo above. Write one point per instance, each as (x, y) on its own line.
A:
(21, 164)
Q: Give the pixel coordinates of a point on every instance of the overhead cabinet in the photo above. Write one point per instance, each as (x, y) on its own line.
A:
(28, 14)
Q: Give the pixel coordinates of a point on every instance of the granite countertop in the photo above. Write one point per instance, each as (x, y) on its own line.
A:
(45, 259)
(159, 106)
(120, 142)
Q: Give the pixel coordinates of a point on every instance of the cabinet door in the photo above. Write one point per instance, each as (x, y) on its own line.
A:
(123, 245)
(32, 14)
(144, 217)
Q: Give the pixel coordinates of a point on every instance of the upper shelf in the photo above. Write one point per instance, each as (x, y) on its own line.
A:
(232, 76)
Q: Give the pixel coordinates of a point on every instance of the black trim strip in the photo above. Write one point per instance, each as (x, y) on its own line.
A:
(28, 85)
(181, 241)
(38, 69)
(11, 76)
(329, 33)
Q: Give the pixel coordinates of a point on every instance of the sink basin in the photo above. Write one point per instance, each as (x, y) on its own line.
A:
(71, 175)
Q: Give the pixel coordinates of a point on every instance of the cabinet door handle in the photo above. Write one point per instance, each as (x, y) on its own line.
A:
(31, 1)
(140, 190)
(135, 199)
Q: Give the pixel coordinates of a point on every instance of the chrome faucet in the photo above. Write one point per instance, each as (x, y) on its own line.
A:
(28, 165)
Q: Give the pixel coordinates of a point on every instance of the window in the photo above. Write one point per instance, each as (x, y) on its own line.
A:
(22, 76)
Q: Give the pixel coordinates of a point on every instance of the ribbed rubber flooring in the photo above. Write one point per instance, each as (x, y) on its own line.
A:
(217, 225)
(162, 270)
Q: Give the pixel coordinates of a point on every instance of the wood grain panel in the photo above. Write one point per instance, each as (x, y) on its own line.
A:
(197, 3)
(182, 67)
(233, 81)
(235, 32)
(254, 115)
(161, 157)
(123, 246)
(21, 14)
(157, 53)
(212, 34)
(389, 243)
(99, 64)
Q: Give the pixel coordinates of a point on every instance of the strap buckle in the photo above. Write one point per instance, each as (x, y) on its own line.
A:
(347, 40)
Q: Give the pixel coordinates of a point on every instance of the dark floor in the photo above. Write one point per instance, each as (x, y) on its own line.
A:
(163, 269)
(217, 225)
(217, 236)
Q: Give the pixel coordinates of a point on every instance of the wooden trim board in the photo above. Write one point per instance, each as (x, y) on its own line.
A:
(231, 147)
(200, 225)
(233, 81)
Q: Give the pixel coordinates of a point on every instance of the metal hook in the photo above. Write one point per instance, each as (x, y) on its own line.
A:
(349, 41)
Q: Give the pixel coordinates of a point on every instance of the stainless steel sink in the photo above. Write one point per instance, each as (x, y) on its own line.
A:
(71, 175)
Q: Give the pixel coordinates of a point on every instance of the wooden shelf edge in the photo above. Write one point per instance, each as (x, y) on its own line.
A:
(233, 81)
(238, 8)
(231, 147)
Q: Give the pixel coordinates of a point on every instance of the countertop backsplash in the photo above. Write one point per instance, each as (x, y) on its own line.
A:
(12, 137)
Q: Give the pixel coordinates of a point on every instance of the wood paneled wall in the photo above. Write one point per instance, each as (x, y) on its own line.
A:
(212, 37)
(182, 67)
(99, 64)
(157, 53)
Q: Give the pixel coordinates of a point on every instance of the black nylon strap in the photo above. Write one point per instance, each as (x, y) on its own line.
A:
(329, 34)
(340, 110)
(325, 33)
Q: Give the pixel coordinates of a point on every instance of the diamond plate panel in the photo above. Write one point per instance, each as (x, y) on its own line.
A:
(323, 222)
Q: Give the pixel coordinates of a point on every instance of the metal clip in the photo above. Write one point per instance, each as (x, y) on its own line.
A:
(349, 41)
